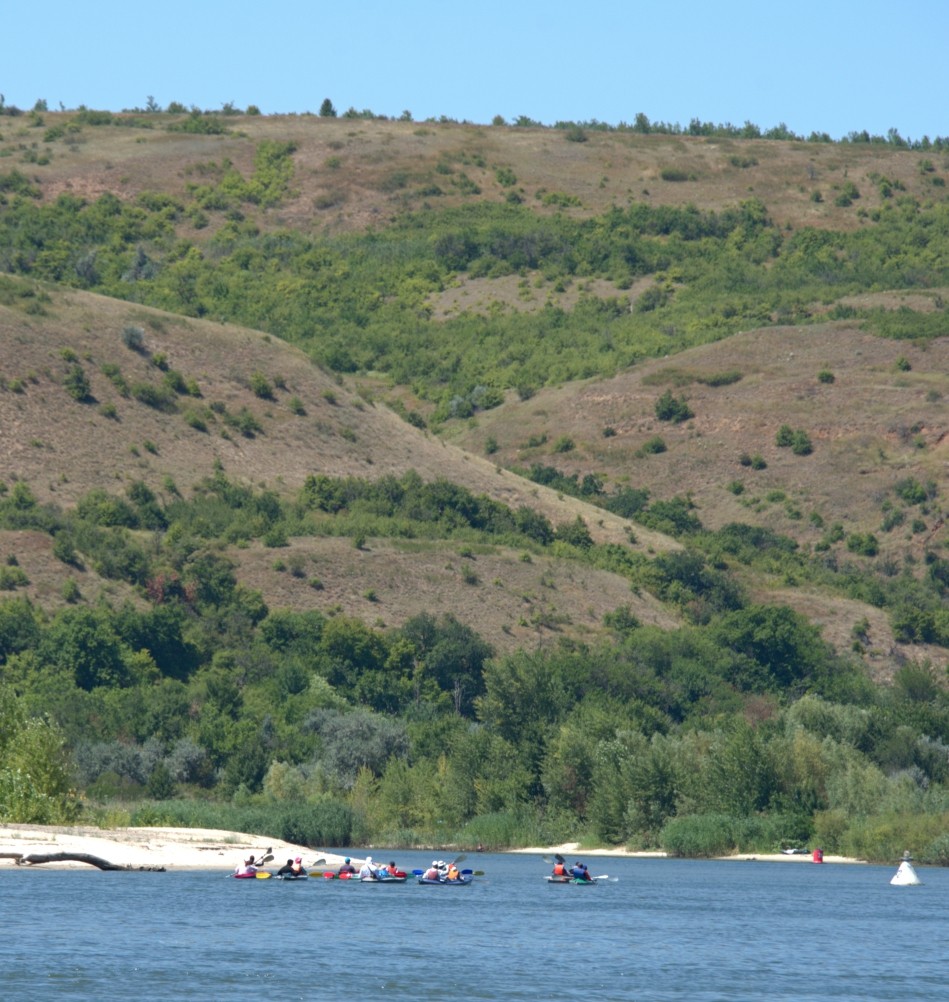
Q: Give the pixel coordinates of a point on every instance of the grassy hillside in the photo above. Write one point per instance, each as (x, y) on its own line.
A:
(307, 423)
(877, 424)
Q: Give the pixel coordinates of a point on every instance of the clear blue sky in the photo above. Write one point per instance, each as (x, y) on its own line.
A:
(834, 66)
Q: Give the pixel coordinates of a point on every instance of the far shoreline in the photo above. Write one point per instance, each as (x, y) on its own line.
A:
(183, 849)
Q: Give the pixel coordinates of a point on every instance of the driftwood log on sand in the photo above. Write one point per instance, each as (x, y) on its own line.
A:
(35, 858)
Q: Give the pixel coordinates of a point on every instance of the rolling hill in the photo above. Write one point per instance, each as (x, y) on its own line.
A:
(258, 408)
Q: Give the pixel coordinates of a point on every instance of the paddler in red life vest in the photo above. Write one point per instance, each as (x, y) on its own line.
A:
(818, 855)
(560, 868)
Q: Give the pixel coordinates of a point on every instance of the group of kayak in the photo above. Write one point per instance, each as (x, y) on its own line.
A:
(439, 872)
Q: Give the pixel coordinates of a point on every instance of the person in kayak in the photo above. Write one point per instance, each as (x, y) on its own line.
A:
(347, 867)
(246, 868)
(392, 870)
(367, 871)
(453, 872)
(580, 872)
(433, 873)
(560, 868)
(292, 868)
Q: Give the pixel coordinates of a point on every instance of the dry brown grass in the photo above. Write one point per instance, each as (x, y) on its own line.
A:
(351, 174)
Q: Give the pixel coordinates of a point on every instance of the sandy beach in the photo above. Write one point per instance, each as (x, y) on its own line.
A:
(211, 849)
(152, 848)
(573, 849)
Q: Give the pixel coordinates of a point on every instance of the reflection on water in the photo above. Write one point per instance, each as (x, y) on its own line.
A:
(655, 930)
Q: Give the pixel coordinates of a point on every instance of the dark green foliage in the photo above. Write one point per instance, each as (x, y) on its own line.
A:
(779, 649)
(18, 184)
(912, 491)
(801, 443)
(19, 627)
(784, 437)
(863, 543)
(670, 408)
(574, 533)
(159, 396)
(77, 384)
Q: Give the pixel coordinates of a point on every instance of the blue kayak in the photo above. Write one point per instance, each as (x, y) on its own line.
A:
(462, 881)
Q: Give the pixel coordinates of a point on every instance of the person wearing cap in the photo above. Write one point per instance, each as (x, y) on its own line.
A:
(433, 873)
(347, 867)
(247, 867)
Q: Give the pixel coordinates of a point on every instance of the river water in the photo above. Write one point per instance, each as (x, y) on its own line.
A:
(655, 930)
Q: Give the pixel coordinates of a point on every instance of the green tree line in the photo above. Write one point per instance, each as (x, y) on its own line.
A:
(740, 729)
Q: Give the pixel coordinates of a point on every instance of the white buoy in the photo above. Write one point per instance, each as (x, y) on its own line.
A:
(905, 875)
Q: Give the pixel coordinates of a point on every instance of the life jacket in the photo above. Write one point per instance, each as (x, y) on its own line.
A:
(560, 870)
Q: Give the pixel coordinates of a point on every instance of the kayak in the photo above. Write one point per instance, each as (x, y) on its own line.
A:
(568, 880)
(462, 881)
(293, 876)
(354, 878)
(259, 875)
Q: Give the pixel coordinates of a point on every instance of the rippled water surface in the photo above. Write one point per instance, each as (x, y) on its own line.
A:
(656, 930)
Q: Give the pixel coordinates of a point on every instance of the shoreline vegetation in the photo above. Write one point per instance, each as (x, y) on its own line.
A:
(216, 849)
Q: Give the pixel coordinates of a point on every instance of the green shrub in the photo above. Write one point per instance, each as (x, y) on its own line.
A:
(161, 398)
(911, 491)
(77, 383)
(801, 444)
(784, 437)
(653, 446)
(670, 408)
(261, 386)
(194, 419)
(864, 544)
(825, 376)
